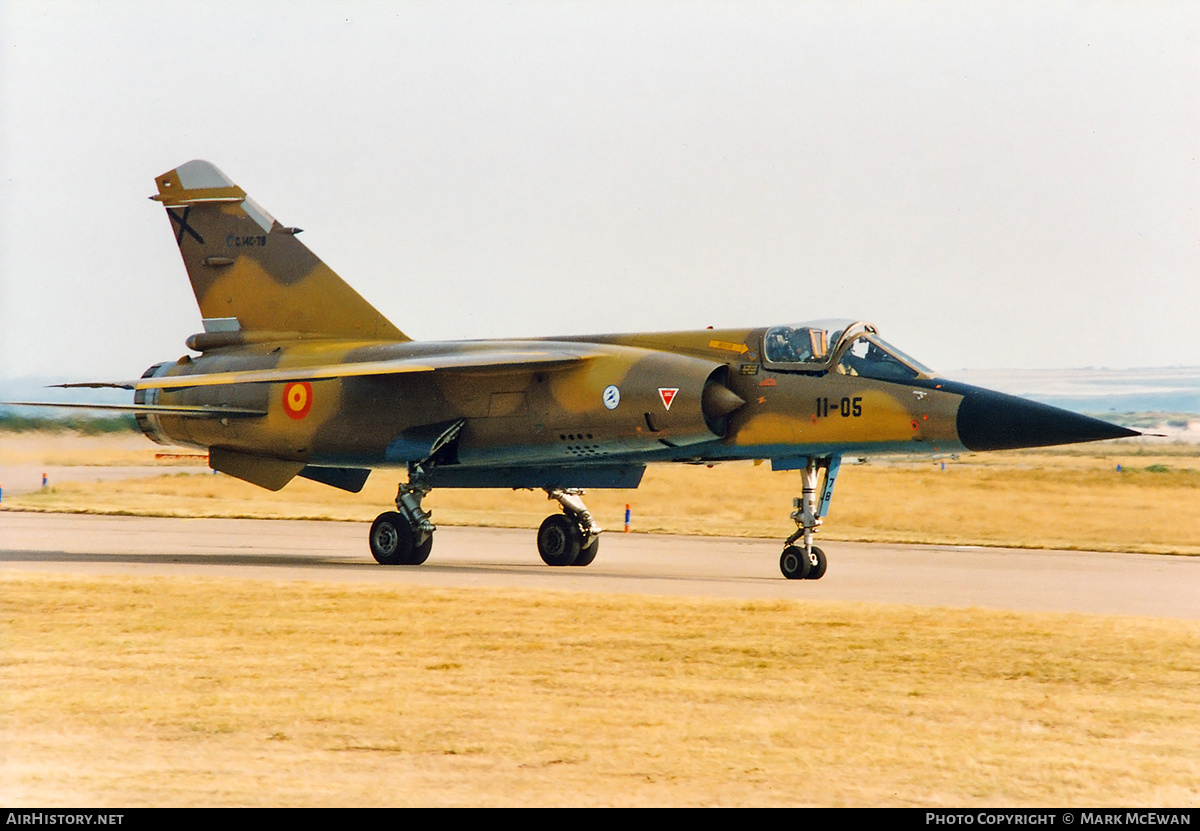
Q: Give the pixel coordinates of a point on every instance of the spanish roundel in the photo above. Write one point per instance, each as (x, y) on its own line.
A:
(297, 399)
(667, 395)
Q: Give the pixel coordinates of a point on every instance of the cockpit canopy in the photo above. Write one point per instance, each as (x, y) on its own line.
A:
(801, 344)
(842, 346)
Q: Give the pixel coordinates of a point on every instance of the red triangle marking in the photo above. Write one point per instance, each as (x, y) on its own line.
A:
(667, 395)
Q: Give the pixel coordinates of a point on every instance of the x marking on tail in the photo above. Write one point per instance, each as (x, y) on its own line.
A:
(181, 221)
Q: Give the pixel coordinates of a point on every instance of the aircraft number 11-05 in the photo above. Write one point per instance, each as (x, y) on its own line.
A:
(846, 408)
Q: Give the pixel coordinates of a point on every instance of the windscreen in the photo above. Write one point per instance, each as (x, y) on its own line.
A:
(872, 357)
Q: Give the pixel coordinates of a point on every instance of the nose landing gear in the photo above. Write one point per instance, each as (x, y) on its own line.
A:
(806, 561)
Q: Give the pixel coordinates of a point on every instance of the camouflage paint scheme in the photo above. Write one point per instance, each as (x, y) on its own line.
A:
(299, 375)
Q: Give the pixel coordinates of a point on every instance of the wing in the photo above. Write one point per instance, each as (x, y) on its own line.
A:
(479, 361)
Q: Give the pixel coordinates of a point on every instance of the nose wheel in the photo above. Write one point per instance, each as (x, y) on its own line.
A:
(797, 565)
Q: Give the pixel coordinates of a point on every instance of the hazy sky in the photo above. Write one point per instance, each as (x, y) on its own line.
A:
(993, 184)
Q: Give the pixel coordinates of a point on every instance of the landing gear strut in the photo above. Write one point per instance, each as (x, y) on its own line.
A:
(806, 561)
(404, 537)
(571, 538)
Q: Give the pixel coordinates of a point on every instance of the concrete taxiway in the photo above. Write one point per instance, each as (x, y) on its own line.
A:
(997, 578)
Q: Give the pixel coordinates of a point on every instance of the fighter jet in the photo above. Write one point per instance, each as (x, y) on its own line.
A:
(297, 375)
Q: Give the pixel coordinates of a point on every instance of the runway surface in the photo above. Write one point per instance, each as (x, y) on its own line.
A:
(996, 578)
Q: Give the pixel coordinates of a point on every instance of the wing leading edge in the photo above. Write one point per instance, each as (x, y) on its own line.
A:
(191, 411)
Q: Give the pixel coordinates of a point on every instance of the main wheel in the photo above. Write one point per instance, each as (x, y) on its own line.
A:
(558, 540)
(794, 563)
(392, 539)
(817, 569)
(587, 553)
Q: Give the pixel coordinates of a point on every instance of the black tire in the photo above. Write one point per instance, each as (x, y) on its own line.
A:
(421, 552)
(391, 539)
(588, 553)
(817, 569)
(558, 540)
(793, 563)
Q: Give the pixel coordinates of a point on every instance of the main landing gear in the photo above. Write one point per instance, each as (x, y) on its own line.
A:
(404, 537)
(806, 561)
(571, 538)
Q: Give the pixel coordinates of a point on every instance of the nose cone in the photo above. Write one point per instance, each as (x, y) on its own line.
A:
(994, 421)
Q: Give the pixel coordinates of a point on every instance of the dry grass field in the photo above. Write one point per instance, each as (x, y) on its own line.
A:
(1070, 498)
(175, 691)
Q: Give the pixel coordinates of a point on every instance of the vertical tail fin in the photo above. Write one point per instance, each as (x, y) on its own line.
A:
(250, 273)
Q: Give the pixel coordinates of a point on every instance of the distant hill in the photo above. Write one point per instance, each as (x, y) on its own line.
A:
(17, 419)
(1097, 391)
(40, 389)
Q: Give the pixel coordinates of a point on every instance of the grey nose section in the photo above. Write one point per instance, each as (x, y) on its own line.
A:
(994, 421)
